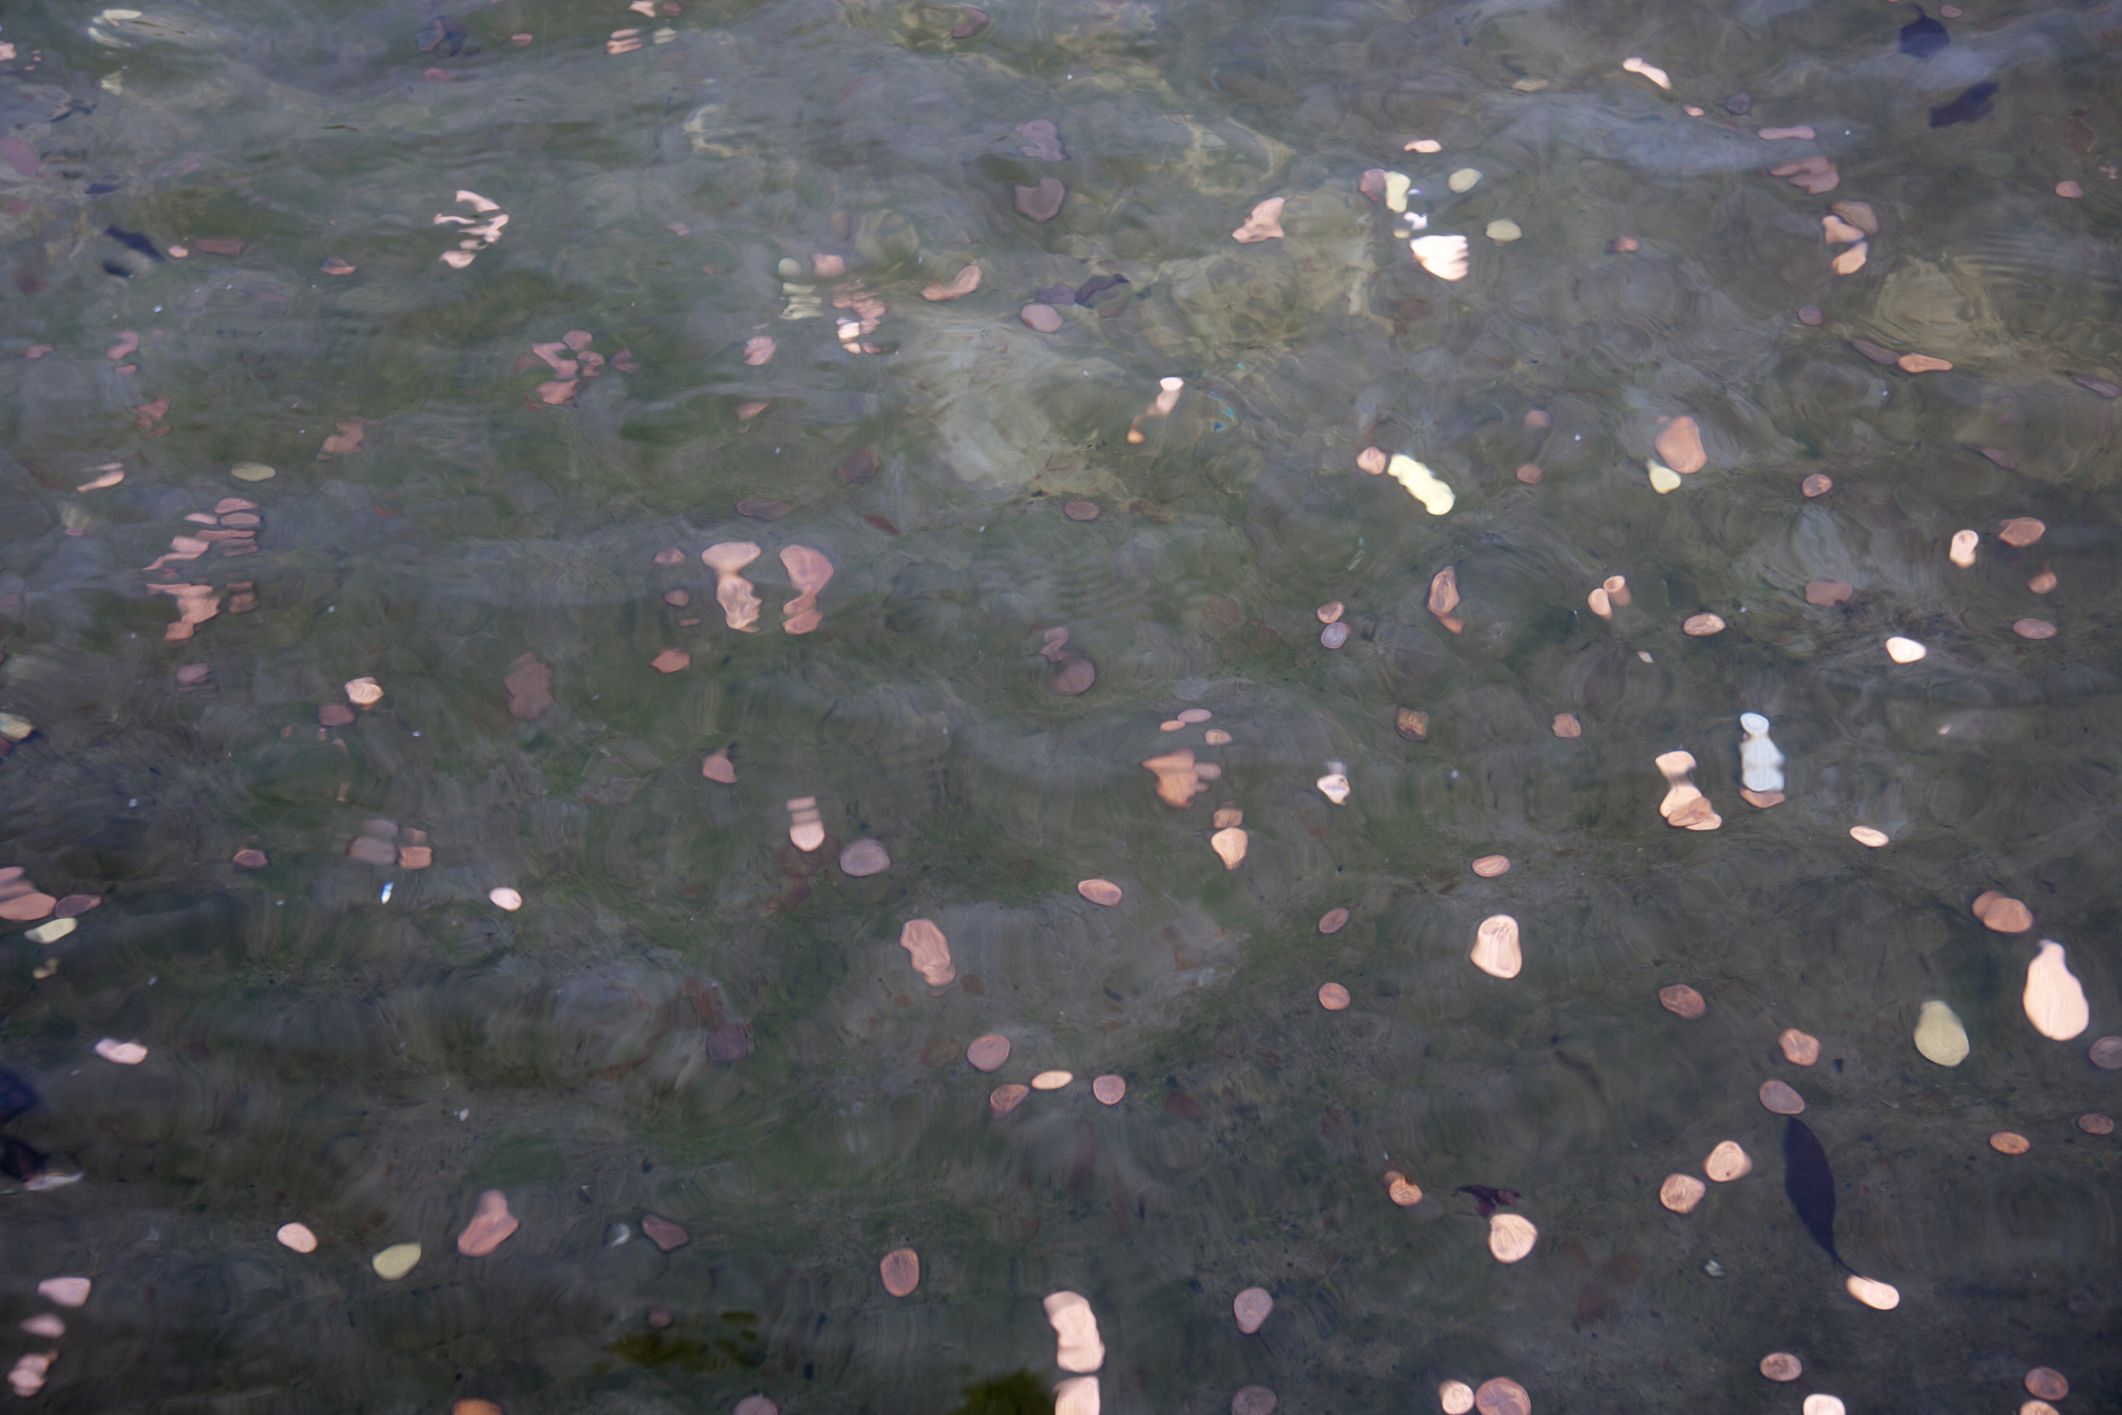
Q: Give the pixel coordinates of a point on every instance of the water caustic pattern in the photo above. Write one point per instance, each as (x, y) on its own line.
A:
(588, 589)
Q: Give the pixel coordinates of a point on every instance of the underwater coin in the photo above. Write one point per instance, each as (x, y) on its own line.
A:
(1939, 1035)
(901, 1270)
(395, 1261)
(1681, 1192)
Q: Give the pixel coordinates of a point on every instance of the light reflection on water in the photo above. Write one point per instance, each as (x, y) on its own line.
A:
(692, 1018)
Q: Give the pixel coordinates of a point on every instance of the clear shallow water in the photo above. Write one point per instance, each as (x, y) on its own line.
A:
(692, 1018)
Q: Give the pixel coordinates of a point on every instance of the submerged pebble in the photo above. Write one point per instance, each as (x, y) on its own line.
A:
(1041, 202)
(1442, 256)
(1760, 761)
(1940, 1037)
(1421, 483)
(396, 1261)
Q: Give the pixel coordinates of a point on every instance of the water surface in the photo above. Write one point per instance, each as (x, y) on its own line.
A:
(693, 1018)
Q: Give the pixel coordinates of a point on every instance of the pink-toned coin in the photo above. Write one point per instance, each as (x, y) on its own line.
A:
(863, 858)
(27, 907)
(1496, 949)
(1779, 1099)
(1727, 1162)
(1877, 1295)
(1511, 1237)
(901, 1270)
(1682, 1001)
(490, 1227)
(2047, 1383)
(1100, 891)
(2022, 531)
(1681, 1192)
(65, 1291)
(1502, 1396)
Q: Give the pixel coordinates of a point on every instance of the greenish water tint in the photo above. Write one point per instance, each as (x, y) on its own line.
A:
(692, 1018)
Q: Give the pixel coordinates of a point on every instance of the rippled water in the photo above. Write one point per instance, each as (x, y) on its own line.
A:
(692, 1018)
